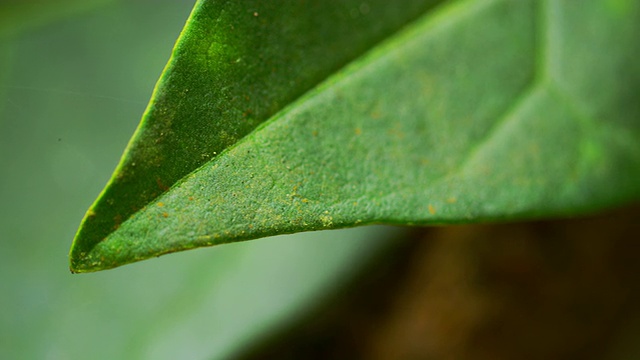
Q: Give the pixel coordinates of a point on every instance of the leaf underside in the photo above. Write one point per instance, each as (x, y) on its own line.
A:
(472, 111)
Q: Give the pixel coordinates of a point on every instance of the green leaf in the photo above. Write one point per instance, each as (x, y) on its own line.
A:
(234, 66)
(474, 111)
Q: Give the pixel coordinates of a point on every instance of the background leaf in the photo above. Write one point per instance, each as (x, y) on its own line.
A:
(480, 110)
(19, 15)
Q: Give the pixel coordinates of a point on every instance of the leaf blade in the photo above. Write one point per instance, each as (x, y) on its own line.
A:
(234, 66)
(456, 138)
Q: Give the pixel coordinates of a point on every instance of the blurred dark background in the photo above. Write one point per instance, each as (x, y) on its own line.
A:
(556, 289)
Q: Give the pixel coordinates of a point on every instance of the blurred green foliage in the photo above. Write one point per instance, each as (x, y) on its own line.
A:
(19, 15)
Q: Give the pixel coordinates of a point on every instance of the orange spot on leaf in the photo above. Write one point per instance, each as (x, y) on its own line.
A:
(117, 220)
(161, 186)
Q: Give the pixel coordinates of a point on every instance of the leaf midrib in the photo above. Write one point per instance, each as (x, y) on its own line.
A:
(440, 17)
(95, 232)
(326, 82)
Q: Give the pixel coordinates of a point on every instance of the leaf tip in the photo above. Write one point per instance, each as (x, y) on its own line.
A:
(86, 263)
(81, 255)
(79, 262)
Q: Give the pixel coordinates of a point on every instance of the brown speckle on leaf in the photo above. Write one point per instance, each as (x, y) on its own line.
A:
(161, 186)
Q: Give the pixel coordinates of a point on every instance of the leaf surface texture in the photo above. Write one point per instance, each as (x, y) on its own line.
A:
(467, 111)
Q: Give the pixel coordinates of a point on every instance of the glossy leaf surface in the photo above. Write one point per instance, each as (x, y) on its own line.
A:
(477, 110)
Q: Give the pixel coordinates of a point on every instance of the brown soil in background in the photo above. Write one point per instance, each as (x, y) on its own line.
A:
(561, 289)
